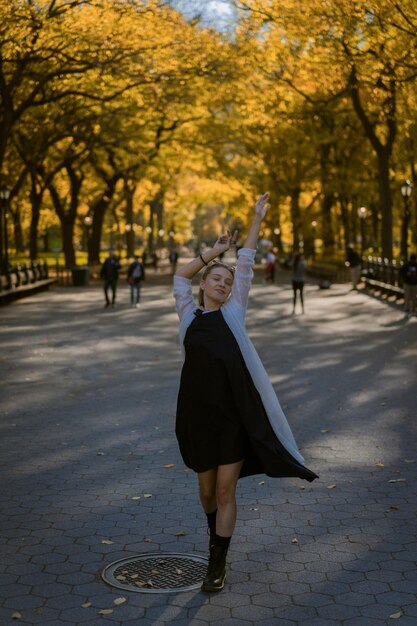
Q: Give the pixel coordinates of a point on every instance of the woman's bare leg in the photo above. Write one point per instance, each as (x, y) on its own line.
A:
(207, 486)
(227, 477)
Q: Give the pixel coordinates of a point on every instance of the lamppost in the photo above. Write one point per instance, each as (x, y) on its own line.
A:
(314, 227)
(4, 197)
(362, 213)
(406, 191)
(88, 222)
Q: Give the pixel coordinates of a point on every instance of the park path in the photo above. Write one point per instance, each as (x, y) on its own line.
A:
(87, 430)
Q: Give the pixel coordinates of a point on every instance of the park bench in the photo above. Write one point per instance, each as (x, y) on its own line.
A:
(21, 281)
(383, 276)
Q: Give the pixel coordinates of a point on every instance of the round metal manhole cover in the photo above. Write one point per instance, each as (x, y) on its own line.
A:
(157, 573)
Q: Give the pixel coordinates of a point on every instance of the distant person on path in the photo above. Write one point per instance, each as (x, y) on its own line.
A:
(270, 266)
(135, 276)
(353, 260)
(229, 423)
(409, 278)
(173, 259)
(298, 280)
(110, 274)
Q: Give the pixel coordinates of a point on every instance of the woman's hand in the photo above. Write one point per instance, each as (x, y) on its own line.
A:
(261, 205)
(224, 242)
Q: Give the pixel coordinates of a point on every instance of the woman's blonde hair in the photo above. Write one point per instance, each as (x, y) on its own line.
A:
(212, 266)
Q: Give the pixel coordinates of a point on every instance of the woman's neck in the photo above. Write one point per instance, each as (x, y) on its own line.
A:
(211, 305)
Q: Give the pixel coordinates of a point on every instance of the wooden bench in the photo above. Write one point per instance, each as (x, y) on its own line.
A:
(24, 281)
(385, 288)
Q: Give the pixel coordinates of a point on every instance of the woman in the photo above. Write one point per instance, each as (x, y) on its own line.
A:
(229, 423)
(298, 271)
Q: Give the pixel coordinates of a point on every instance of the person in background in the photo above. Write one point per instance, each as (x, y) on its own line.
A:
(409, 277)
(298, 280)
(270, 266)
(353, 260)
(110, 274)
(173, 259)
(135, 276)
(229, 423)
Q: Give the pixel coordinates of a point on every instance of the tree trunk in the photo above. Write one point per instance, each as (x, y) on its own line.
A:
(36, 196)
(296, 219)
(130, 233)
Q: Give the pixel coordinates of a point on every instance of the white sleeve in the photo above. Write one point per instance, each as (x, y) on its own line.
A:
(243, 276)
(184, 301)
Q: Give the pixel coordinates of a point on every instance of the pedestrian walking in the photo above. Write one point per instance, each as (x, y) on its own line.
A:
(229, 423)
(110, 274)
(173, 259)
(353, 261)
(298, 280)
(409, 278)
(135, 276)
(270, 266)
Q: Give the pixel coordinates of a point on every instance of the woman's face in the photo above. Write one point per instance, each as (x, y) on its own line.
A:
(217, 285)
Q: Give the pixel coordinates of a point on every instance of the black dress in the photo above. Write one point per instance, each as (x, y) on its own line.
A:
(220, 416)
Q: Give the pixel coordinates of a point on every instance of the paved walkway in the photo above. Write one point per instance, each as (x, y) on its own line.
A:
(87, 430)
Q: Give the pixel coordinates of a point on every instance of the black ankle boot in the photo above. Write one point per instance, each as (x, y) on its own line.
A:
(216, 571)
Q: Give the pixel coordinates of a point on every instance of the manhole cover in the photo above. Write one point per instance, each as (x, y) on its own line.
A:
(157, 573)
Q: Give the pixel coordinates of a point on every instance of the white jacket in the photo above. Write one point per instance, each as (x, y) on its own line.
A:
(234, 312)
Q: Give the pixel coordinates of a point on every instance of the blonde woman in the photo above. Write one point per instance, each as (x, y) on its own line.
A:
(229, 423)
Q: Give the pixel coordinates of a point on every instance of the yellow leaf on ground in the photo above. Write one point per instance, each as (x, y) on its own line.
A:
(379, 465)
(107, 542)
(294, 540)
(105, 612)
(147, 495)
(119, 601)
(86, 605)
(181, 534)
(396, 615)
(135, 498)
(331, 486)
(397, 480)
(169, 465)
(16, 615)
(395, 507)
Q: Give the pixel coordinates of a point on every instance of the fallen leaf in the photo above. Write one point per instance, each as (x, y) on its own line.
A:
(119, 601)
(135, 498)
(397, 480)
(147, 540)
(331, 486)
(395, 507)
(178, 571)
(169, 465)
(139, 583)
(325, 430)
(105, 612)
(107, 542)
(294, 540)
(122, 578)
(379, 465)
(147, 495)
(181, 534)
(149, 583)
(86, 605)
(262, 482)
(16, 615)
(100, 453)
(254, 509)
(396, 615)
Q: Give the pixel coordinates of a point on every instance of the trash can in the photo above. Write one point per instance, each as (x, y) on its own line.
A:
(80, 276)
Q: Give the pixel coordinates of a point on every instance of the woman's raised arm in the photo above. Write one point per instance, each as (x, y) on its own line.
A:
(193, 267)
(261, 207)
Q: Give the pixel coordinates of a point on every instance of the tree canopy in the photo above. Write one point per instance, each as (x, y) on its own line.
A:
(129, 123)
